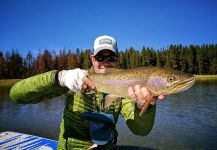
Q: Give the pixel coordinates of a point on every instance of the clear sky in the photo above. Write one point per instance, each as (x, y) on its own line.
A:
(56, 24)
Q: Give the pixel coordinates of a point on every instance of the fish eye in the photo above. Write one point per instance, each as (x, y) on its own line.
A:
(171, 78)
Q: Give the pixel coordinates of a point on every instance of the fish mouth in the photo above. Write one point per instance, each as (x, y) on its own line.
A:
(188, 81)
(183, 85)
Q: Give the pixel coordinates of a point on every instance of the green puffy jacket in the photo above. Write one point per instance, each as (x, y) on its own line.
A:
(74, 133)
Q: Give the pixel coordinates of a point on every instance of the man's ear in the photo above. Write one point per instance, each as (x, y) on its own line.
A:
(92, 58)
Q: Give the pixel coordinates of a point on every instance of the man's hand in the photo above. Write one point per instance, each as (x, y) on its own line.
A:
(76, 80)
(141, 95)
(88, 84)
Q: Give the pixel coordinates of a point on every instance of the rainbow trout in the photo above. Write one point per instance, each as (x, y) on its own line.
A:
(157, 80)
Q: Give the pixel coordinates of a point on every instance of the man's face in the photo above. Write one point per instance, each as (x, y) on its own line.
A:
(104, 59)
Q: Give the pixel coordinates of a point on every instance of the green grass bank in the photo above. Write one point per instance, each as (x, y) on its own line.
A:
(8, 82)
(205, 77)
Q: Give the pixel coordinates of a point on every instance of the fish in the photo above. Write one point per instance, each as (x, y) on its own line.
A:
(158, 80)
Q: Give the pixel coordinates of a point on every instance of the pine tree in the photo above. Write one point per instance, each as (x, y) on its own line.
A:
(1, 65)
(86, 62)
(213, 59)
(15, 65)
(62, 60)
(72, 61)
(122, 60)
(29, 64)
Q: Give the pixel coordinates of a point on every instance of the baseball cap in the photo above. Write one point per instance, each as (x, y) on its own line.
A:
(105, 42)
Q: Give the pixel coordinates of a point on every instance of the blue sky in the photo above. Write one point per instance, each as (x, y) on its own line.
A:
(53, 24)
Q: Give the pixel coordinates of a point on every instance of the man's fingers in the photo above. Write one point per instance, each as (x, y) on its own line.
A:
(161, 97)
(153, 100)
(84, 86)
(142, 96)
(88, 83)
(138, 91)
(145, 93)
(131, 93)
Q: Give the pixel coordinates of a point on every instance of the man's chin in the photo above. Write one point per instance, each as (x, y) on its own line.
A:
(102, 70)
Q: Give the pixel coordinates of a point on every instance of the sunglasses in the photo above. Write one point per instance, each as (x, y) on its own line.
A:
(110, 58)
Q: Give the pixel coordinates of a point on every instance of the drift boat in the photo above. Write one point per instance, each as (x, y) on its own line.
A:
(13, 140)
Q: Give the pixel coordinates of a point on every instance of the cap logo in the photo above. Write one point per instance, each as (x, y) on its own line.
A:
(105, 41)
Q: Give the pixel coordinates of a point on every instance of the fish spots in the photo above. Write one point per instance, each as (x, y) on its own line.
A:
(157, 83)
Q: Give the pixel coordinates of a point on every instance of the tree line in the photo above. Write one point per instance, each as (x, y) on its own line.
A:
(192, 59)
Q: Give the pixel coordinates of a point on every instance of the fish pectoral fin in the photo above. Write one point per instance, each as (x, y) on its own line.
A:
(109, 99)
(145, 107)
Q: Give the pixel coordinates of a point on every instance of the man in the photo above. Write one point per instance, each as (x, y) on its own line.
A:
(75, 132)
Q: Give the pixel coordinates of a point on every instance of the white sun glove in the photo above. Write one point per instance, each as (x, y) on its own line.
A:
(72, 79)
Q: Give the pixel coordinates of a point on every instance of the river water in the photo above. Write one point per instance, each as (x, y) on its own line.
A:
(186, 120)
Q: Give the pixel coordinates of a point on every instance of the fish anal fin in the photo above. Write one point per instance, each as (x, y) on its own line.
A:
(145, 107)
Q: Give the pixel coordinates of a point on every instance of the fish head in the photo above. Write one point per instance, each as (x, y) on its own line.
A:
(167, 81)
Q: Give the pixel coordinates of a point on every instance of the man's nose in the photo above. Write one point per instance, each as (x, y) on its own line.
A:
(106, 63)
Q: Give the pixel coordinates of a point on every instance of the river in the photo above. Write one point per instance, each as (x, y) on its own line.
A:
(186, 120)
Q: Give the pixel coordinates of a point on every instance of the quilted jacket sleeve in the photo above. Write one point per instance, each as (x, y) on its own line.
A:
(138, 125)
(36, 88)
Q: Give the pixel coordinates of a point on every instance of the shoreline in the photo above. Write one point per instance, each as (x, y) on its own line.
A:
(10, 82)
(206, 77)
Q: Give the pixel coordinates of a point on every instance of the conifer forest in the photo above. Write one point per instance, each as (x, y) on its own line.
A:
(195, 59)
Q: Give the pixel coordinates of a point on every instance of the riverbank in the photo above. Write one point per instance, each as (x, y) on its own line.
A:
(206, 77)
(8, 82)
